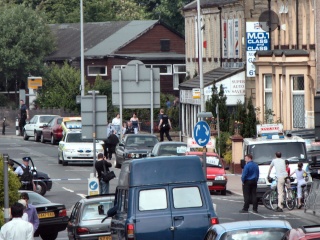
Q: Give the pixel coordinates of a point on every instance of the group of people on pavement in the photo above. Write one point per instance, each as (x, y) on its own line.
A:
(250, 176)
(24, 221)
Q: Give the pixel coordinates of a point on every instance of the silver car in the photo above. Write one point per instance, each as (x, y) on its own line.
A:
(86, 216)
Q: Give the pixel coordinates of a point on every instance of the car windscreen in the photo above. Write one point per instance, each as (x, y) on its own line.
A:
(45, 119)
(96, 210)
(141, 141)
(255, 234)
(36, 199)
(264, 153)
(173, 149)
(76, 137)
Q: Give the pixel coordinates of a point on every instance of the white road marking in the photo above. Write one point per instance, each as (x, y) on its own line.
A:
(69, 190)
(82, 195)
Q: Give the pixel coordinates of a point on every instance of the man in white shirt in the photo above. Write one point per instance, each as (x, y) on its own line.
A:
(17, 229)
(281, 174)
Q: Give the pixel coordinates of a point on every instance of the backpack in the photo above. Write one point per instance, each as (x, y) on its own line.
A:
(26, 176)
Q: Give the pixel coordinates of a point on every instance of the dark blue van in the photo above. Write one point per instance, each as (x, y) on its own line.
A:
(162, 198)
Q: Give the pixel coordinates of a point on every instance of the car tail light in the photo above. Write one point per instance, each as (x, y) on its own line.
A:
(82, 230)
(214, 221)
(63, 213)
(130, 231)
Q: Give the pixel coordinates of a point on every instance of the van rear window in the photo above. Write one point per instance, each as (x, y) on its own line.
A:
(186, 197)
(152, 199)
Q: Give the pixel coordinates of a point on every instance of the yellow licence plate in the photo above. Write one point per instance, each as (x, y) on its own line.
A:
(46, 215)
(105, 238)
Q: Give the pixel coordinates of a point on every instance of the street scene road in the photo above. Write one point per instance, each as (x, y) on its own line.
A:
(70, 184)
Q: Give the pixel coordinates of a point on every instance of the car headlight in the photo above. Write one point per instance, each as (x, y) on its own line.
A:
(220, 178)
(134, 155)
(262, 181)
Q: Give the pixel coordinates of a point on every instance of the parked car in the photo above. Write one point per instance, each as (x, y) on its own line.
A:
(216, 174)
(303, 233)
(313, 166)
(249, 230)
(134, 146)
(33, 128)
(169, 149)
(52, 216)
(72, 148)
(42, 180)
(86, 216)
(162, 198)
(52, 131)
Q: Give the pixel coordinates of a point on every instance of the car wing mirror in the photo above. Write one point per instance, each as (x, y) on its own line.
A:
(242, 163)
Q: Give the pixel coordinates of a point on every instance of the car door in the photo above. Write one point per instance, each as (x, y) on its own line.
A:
(153, 218)
(46, 131)
(73, 220)
(189, 211)
(29, 128)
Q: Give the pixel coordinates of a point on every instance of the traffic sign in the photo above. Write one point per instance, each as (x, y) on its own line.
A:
(93, 186)
(201, 133)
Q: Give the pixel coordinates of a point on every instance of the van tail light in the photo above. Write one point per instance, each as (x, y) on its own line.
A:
(82, 230)
(63, 213)
(214, 221)
(130, 231)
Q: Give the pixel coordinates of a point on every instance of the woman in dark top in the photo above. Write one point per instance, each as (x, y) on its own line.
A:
(135, 123)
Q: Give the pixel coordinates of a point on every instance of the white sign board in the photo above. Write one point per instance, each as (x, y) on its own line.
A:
(269, 128)
(193, 144)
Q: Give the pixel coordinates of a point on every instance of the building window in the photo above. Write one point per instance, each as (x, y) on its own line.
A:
(179, 75)
(165, 69)
(165, 45)
(97, 70)
(268, 97)
(298, 109)
(119, 66)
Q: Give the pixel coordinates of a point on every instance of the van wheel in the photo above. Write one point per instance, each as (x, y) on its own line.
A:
(50, 236)
(224, 192)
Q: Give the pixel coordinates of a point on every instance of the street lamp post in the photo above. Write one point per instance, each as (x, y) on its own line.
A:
(81, 49)
(202, 100)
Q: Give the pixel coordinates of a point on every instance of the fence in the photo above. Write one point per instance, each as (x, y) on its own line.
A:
(313, 200)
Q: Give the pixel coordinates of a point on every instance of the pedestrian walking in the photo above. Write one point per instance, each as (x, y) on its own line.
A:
(164, 125)
(250, 176)
(280, 166)
(24, 115)
(300, 174)
(25, 175)
(25, 215)
(100, 165)
(31, 211)
(135, 123)
(111, 144)
(17, 228)
(116, 123)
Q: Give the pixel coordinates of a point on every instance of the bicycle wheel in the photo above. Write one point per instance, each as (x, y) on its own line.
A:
(305, 196)
(290, 199)
(266, 199)
(273, 199)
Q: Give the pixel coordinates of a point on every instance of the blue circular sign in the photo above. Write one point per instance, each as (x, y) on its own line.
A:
(93, 185)
(201, 133)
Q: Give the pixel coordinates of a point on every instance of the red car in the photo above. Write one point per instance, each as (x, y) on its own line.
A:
(52, 131)
(303, 233)
(216, 174)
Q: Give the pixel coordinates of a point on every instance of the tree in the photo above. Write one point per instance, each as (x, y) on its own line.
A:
(60, 88)
(250, 121)
(25, 40)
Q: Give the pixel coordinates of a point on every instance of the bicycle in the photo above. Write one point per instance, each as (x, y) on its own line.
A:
(305, 192)
(289, 200)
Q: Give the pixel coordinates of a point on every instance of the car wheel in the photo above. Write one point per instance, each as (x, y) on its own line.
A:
(53, 141)
(36, 136)
(41, 187)
(49, 236)
(64, 163)
(224, 192)
(25, 136)
(117, 164)
(42, 138)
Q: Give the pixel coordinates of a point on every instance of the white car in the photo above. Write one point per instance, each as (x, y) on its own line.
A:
(72, 148)
(33, 128)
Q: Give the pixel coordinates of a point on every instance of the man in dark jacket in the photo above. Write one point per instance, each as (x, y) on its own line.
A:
(164, 125)
(104, 186)
(111, 144)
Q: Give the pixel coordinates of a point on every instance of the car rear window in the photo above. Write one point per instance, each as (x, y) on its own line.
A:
(36, 199)
(186, 197)
(172, 150)
(96, 210)
(255, 234)
(45, 119)
(152, 199)
(134, 141)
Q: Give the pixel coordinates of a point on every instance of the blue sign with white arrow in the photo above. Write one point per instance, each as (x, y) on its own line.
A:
(93, 185)
(201, 133)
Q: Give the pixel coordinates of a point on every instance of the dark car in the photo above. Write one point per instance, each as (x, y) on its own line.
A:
(169, 149)
(52, 131)
(134, 146)
(41, 179)
(52, 216)
(86, 216)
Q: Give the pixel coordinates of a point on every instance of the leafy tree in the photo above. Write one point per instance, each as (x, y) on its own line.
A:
(60, 88)
(250, 121)
(25, 40)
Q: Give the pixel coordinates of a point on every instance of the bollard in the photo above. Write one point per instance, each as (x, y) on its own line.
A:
(4, 126)
(17, 127)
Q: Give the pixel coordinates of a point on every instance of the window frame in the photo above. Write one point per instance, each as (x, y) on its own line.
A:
(97, 66)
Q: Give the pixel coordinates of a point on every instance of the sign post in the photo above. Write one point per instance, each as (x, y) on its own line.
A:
(201, 134)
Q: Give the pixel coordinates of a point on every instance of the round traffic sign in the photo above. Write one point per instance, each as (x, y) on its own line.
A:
(201, 133)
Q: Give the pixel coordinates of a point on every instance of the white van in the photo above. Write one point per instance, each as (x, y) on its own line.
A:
(271, 139)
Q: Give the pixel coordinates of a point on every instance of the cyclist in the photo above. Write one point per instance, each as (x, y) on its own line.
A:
(300, 173)
(279, 164)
